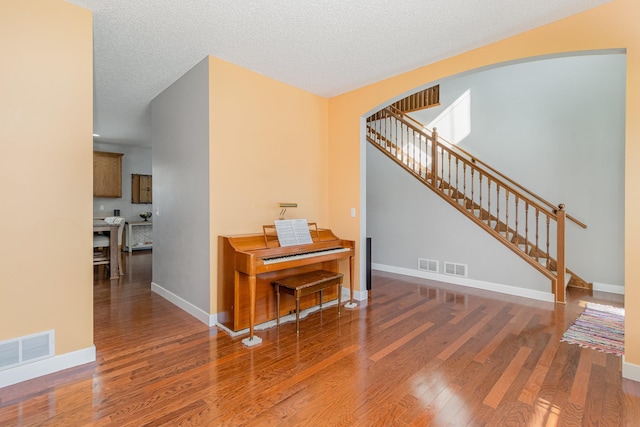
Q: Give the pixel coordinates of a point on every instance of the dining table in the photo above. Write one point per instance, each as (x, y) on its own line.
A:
(100, 225)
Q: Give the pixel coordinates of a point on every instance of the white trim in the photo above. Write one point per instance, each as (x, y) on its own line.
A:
(212, 319)
(357, 295)
(361, 250)
(630, 371)
(37, 369)
(612, 289)
(463, 281)
(232, 333)
(198, 313)
(344, 298)
(283, 319)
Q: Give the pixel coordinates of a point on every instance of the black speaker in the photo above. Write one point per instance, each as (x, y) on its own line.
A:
(368, 261)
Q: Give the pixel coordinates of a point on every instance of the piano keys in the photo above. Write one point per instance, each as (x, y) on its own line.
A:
(284, 258)
(248, 264)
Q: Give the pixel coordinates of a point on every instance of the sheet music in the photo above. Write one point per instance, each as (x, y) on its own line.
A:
(293, 232)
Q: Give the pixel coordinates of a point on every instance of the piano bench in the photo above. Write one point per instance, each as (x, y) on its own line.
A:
(303, 284)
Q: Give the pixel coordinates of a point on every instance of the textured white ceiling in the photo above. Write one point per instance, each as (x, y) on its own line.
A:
(326, 47)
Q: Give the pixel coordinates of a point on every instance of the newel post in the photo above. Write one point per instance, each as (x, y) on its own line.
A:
(561, 266)
(434, 157)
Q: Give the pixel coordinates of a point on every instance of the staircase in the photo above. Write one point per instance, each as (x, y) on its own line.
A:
(527, 224)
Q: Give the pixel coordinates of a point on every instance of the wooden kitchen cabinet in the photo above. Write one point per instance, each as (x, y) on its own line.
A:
(107, 174)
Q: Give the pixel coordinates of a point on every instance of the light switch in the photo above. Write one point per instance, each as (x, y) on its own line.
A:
(353, 212)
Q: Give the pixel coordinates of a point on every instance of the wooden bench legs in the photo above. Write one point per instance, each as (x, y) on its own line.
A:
(303, 284)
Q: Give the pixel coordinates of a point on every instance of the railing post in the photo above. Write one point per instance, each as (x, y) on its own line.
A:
(434, 157)
(561, 267)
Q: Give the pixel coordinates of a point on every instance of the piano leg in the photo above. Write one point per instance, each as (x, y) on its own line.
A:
(252, 340)
(351, 303)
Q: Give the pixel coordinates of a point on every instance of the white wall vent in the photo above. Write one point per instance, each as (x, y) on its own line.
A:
(454, 269)
(428, 265)
(26, 349)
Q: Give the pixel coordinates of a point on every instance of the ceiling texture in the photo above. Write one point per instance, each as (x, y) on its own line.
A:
(326, 47)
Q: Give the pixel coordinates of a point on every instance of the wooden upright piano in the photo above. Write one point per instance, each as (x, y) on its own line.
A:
(248, 264)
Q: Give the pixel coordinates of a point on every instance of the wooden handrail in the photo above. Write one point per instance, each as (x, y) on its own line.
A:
(509, 212)
(420, 127)
(550, 212)
(451, 148)
(494, 233)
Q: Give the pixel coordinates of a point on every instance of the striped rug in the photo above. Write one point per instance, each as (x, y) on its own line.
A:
(599, 327)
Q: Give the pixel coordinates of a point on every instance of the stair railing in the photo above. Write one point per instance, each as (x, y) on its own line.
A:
(474, 159)
(529, 225)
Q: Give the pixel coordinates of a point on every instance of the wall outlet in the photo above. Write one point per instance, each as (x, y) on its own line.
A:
(101, 207)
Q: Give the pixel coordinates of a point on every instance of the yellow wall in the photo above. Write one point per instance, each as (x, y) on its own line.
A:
(46, 111)
(611, 26)
(285, 129)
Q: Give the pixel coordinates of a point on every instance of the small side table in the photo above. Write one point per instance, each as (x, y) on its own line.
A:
(139, 235)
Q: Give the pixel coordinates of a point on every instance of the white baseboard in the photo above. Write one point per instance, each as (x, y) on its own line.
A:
(212, 319)
(198, 313)
(471, 283)
(357, 295)
(630, 371)
(283, 319)
(344, 297)
(612, 289)
(37, 369)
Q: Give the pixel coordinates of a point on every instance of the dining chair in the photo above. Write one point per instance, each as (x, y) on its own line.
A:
(101, 245)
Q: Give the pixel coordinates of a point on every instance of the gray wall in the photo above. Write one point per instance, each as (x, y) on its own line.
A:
(406, 221)
(557, 127)
(135, 160)
(180, 134)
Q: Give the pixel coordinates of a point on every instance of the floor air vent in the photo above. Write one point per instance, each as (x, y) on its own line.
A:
(428, 265)
(26, 349)
(455, 269)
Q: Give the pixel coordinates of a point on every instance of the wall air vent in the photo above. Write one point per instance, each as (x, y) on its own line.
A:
(454, 269)
(428, 265)
(26, 349)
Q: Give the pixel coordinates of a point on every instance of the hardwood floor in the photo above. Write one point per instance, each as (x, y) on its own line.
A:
(416, 353)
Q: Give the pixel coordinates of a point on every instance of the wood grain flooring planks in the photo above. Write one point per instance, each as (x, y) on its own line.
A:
(416, 353)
